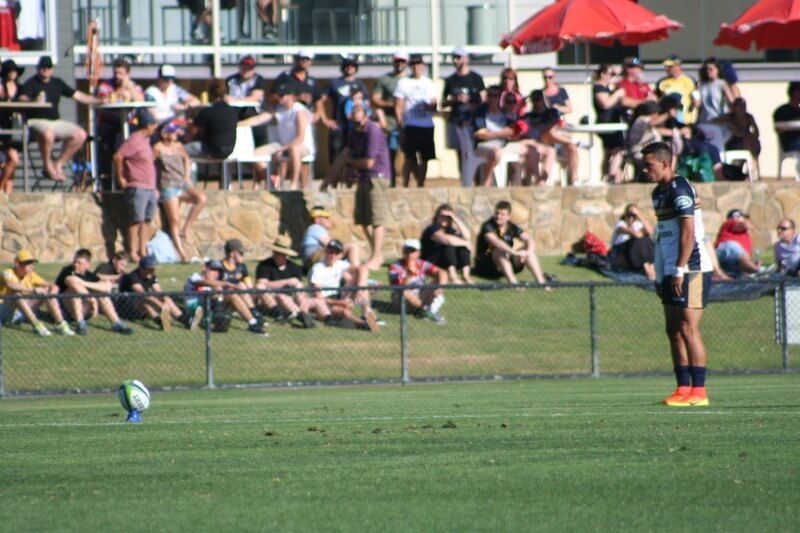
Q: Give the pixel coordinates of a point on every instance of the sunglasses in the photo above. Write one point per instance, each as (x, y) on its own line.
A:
(784, 228)
(512, 78)
(549, 77)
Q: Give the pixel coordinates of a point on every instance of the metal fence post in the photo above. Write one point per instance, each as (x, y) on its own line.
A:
(403, 340)
(784, 322)
(593, 330)
(209, 353)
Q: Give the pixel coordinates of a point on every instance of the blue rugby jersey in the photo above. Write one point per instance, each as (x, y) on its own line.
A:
(672, 202)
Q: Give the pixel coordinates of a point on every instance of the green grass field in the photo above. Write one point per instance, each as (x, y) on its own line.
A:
(536, 455)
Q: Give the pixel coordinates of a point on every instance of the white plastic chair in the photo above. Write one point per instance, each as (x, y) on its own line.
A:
(243, 152)
(471, 161)
(786, 155)
(729, 156)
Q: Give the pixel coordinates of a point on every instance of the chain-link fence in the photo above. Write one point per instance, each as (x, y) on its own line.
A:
(491, 332)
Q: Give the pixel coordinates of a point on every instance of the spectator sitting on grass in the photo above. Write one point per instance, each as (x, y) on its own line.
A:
(496, 256)
(234, 271)
(210, 279)
(330, 275)
(21, 279)
(446, 244)
(411, 271)
(632, 246)
(278, 272)
(734, 246)
(77, 278)
(787, 249)
(317, 236)
(113, 269)
(142, 282)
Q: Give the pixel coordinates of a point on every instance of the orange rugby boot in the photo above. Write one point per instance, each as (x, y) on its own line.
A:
(679, 398)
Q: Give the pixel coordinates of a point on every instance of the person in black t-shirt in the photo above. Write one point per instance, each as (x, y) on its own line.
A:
(496, 255)
(249, 86)
(46, 124)
(214, 126)
(790, 111)
(141, 282)
(464, 91)
(298, 81)
(445, 243)
(78, 279)
(278, 272)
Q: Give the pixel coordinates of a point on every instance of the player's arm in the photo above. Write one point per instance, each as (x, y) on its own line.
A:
(685, 246)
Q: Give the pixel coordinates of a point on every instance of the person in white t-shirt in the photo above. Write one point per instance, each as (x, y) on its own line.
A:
(171, 99)
(632, 246)
(333, 273)
(295, 137)
(414, 103)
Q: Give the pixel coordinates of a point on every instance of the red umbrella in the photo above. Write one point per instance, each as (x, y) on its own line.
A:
(768, 24)
(588, 21)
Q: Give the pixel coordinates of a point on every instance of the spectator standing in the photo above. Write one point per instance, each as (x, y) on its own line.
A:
(556, 97)
(415, 101)
(295, 139)
(136, 176)
(446, 244)
(298, 80)
(247, 86)
(173, 167)
(411, 271)
(337, 92)
(77, 278)
(608, 108)
(790, 111)
(46, 124)
(464, 91)
(787, 248)
(383, 99)
(632, 246)
(22, 280)
(683, 273)
(317, 236)
(495, 255)
(171, 100)
(734, 245)
(9, 156)
(678, 82)
(213, 131)
(636, 90)
(716, 96)
(142, 283)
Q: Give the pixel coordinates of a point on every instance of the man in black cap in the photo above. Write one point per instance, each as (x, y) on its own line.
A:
(142, 282)
(46, 124)
(337, 93)
(248, 86)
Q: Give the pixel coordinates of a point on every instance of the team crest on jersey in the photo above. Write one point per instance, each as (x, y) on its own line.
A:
(683, 202)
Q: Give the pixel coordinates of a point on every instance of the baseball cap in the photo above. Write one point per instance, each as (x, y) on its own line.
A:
(672, 61)
(736, 213)
(412, 244)
(349, 60)
(234, 244)
(247, 61)
(166, 71)
(459, 51)
(283, 89)
(170, 127)
(319, 211)
(415, 59)
(214, 264)
(305, 53)
(336, 245)
(631, 62)
(144, 119)
(25, 256)
(400, 56)
(148, 261)
(45, 62)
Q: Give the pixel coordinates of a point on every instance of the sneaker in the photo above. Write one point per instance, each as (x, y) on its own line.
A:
(257, 328)
(41, 329)
(372, 321)
(427, 314)
(158, 322)
(306, 320)
(121, 328)
(698, 397)
(679, 398)
(63, 328)
(166, 319)
(81, 327)
(378, 320)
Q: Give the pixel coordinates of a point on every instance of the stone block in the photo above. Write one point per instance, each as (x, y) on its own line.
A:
(398, 210)
(410, 229)
(89, 232)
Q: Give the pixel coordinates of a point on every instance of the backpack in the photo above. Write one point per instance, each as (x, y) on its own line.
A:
(696, 167)
(592, 244)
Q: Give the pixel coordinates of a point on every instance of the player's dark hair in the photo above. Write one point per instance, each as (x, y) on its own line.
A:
(83, 253)
(660, 151)
(503, 205)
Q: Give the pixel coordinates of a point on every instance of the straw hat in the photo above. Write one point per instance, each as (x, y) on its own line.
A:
(283, 245)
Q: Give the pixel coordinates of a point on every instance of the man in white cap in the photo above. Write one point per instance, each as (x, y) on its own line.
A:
(170, 98)
(298, 80)
(382, 98)
(411, 271)
(464, 91)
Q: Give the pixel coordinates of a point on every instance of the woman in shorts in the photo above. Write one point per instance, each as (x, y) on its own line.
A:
(175, 186)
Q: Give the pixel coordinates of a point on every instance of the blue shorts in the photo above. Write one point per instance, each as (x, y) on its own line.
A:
(695, 289)
(394, 140)
(729, 253)
(171, 192)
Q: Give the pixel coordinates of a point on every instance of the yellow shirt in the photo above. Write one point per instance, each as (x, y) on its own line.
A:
(683, 85)
(29, 281)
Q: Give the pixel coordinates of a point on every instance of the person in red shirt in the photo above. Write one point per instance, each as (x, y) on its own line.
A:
(411, 271)
(734, 246)
(636, 90)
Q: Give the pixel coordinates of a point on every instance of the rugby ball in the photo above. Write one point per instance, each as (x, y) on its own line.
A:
(134, 396)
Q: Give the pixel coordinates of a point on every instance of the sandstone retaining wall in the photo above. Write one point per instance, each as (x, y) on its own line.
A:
(53, 225)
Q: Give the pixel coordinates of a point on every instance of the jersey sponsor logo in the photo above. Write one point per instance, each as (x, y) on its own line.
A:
(683, 202)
